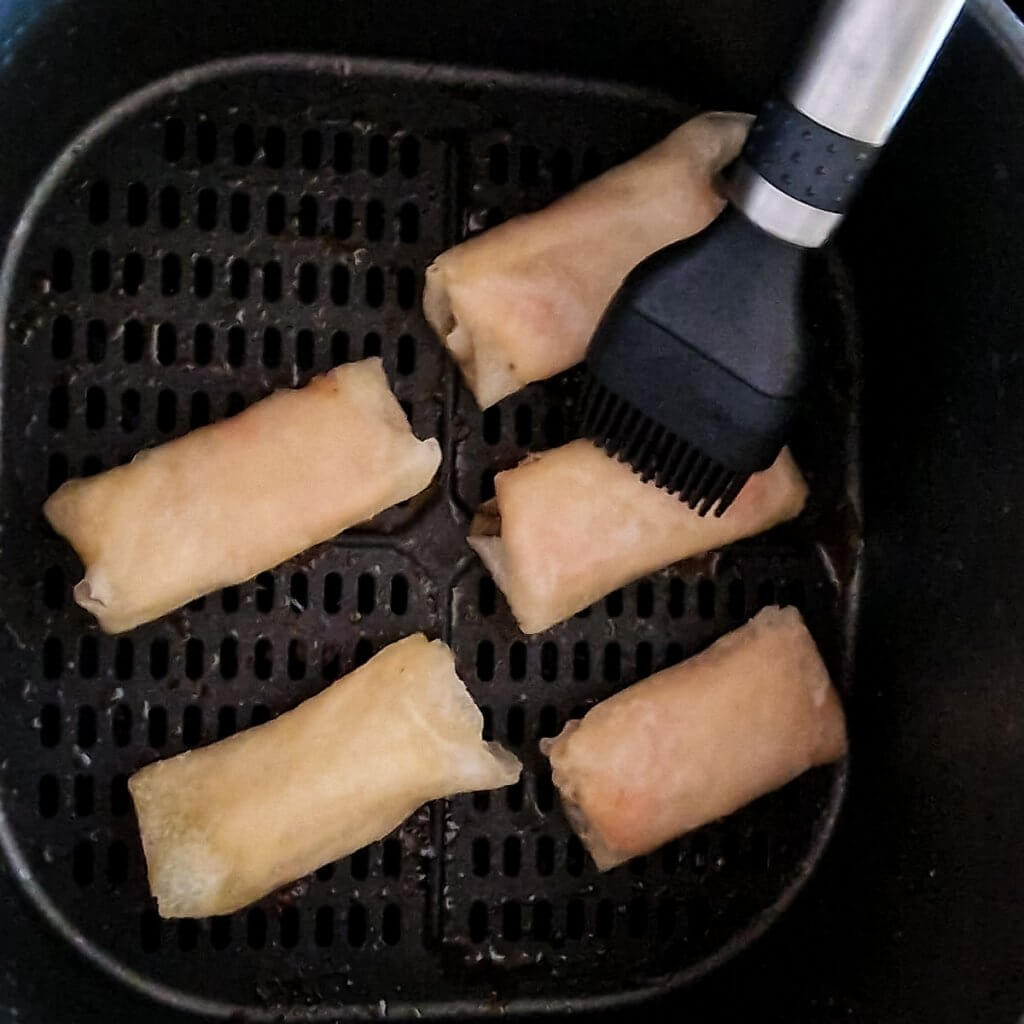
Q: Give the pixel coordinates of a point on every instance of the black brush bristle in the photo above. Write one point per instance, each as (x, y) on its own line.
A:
(697, 364)
(656, 453)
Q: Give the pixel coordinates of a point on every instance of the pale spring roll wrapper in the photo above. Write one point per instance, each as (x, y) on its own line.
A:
(699, 740)
(225, 502)
(571, 524)
(224, 825)
(520, 302)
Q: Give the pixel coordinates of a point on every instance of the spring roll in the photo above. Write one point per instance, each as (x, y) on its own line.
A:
(520, 302)
(570, 525)
(227, 501)
(224, 825)
(699, 740)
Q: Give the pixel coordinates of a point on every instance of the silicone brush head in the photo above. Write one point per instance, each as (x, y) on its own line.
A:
(696, 367)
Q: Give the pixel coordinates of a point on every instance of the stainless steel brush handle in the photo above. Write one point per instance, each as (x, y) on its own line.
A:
(811, 146)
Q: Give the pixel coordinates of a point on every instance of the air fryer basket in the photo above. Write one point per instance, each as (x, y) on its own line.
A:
(243, 227)
(909, 914)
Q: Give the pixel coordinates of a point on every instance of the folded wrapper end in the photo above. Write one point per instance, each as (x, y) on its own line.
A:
(485, 539)
(604, 857)
(489, 374)
(508, 766)
(86, 597)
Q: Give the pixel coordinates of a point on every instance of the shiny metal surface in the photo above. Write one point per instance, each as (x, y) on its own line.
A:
(777, 213)
(864, 60)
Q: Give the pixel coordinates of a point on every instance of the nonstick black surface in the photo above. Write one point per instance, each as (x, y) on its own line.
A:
(925, 853)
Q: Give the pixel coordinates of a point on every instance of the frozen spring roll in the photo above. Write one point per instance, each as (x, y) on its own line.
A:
(519, 302)
(570, 525)
(699, 740)
(224, 825)
(227, 501)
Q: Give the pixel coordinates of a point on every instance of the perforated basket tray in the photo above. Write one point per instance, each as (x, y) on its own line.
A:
(243, 227)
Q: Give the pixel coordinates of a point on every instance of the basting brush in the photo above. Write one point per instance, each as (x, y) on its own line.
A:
(696, 369)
